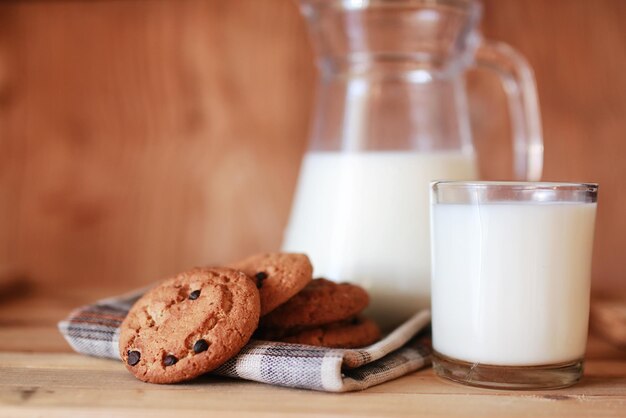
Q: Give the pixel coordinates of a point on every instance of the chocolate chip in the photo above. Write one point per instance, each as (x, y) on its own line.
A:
(260, 276)
(170, 360)
(133, 357)
(194, 295)
(200, 346)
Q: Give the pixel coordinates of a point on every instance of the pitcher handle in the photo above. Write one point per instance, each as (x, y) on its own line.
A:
(519, 85)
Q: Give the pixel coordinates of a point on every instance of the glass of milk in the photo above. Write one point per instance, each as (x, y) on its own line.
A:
(511, 270)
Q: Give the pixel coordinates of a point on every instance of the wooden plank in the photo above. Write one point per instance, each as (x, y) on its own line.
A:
(73, 384)
(28, 339)
(139, 138)
(61, 383)
(577, 49)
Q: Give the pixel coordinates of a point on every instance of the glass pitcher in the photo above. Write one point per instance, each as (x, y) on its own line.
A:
(392, 116)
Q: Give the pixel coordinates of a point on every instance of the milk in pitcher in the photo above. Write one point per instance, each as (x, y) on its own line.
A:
(363, 217)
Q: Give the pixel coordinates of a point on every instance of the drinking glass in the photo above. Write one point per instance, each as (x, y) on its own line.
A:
(511, 281)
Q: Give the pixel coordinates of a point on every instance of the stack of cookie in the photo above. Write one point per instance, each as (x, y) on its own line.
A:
(325, 314)
(299, 310)
(194, 322)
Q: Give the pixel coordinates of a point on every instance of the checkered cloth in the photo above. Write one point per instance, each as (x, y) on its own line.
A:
(94, 330)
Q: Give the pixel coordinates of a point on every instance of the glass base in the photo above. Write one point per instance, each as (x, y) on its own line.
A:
(553, 376)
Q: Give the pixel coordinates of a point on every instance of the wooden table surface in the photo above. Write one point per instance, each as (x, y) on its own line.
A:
(41, 376)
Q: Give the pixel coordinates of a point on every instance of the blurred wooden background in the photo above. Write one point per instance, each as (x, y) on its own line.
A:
(141, 137)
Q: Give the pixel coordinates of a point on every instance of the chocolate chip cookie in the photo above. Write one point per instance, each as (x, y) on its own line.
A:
(354, 333)
(320, 302)
(278, 276)
(189, 324)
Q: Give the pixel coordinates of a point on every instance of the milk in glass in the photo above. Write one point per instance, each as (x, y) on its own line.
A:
(511, 281)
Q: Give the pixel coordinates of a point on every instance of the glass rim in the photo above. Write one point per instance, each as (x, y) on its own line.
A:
(515, 185)
(463, 5)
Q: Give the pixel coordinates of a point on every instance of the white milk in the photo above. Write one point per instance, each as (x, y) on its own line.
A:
(511, 281)
(363, 217)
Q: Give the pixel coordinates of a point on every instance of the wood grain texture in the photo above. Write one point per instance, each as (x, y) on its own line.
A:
(73, 385)
(41, 376)
(140, 137)
(578, 51)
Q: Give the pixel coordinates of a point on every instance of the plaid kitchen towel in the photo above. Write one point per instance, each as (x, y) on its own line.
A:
(94, 330)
